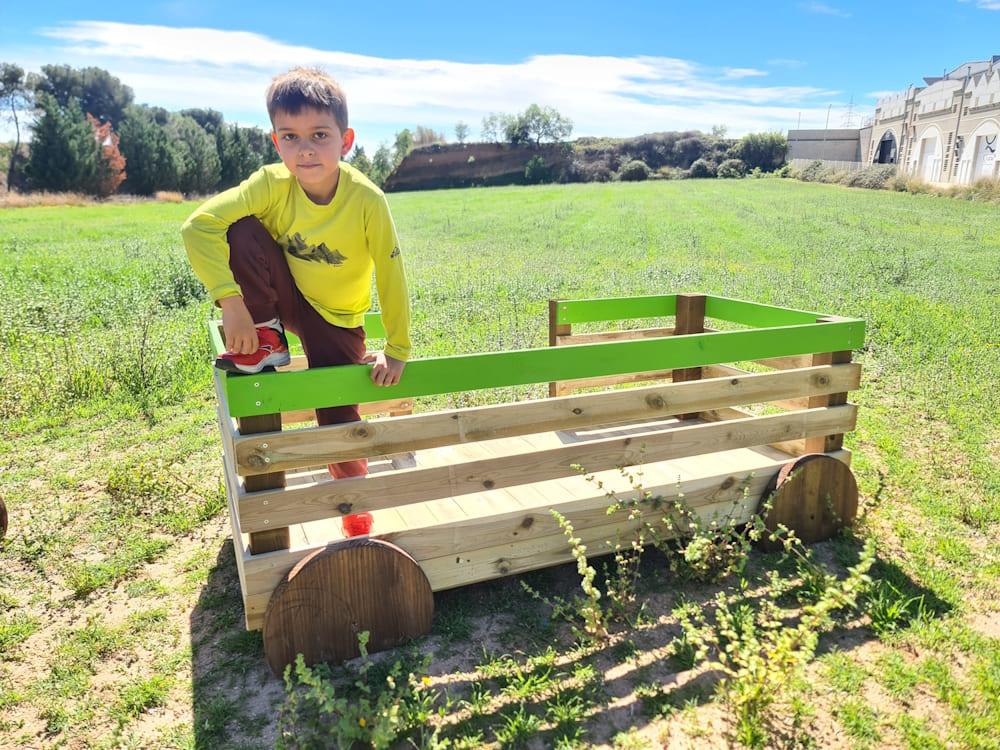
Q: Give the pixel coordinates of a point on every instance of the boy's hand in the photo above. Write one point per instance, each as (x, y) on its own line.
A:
(387, 370)
(241, 335)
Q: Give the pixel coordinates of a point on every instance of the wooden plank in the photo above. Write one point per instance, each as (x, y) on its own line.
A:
(334, 443)
(394, 407)
(280, 507)
(787, 363)
(720, 371)
(556, 330)
(268, 537)
(567, 386)
(792, 448)
(593, 338)
(827, 443)
(541, 543)
(690, 319)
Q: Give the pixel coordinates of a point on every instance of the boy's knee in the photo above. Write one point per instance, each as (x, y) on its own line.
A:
(244, 230)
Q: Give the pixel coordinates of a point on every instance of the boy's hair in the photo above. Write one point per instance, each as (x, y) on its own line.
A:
(307, 87)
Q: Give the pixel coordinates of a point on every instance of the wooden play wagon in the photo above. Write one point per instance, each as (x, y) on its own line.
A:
(464, 495)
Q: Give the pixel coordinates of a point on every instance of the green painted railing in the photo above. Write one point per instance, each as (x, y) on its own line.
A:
(777, 332)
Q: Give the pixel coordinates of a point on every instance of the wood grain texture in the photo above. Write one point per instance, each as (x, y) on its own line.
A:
(316, 446)
(276, 508)
(815, 496)
(690, 318)
(555, 331)
(325, 601)
(276, 537)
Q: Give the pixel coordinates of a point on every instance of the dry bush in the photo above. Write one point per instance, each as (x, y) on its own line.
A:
(168, 196)
(13, 199)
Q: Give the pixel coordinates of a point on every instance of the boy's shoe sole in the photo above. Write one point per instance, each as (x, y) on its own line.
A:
(277, 359)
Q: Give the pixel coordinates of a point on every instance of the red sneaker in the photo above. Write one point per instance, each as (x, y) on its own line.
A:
(272, 352)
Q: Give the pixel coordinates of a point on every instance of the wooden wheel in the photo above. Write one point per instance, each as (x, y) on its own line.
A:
(815, 495)
(335, 593)
(3, 519)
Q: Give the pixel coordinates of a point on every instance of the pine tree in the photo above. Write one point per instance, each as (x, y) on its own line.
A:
(238, 159)
(64, 153)
(359, 160)
(199, 158)
(151, 158)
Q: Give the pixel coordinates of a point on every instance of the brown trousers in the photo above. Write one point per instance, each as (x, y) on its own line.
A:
(269, 291)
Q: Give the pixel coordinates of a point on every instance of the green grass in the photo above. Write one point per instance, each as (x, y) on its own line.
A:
(112, 472)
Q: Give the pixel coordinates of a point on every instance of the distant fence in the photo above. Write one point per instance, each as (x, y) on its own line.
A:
(843, 166)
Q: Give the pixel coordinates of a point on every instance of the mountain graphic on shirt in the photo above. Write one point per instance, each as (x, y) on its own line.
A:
(297, 246)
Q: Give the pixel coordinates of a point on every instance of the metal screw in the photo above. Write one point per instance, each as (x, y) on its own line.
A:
(256, 385)
(267, 460)
(263, 445)
(266, 522)
(257, 402)
(265, 502)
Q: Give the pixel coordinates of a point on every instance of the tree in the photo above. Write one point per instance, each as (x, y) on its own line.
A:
(423, 136)
(199, 169)
(210, 120)
(492, 128)
(402, 146)
(461, 131)
(110, 169)
(99, 93)
(15, 95)
(360, 161)
(765, 151)
(237, 157)
(719, 131)
(382, 165)
(64, 153)
(153, 162)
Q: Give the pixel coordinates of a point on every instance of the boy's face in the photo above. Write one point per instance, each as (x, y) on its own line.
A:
(311, 145)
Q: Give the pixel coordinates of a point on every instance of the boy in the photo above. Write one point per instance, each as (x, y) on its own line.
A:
(294, 245)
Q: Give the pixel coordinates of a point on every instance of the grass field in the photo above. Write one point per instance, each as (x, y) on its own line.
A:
(120, 616)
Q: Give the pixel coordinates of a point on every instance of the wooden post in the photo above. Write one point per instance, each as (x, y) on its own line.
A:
(556, 330)
(690, 318)
(827, 443)
(272, 539)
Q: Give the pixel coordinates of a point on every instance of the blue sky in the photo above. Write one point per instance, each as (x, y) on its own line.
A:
(616, 68)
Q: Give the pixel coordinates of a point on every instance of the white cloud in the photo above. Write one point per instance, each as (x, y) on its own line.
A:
(880, 94)
(734, 73)
(985, 4)
(614, 96)
(785, 62)
(824, 9)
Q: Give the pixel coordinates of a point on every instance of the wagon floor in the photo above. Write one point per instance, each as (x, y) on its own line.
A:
(538, 495)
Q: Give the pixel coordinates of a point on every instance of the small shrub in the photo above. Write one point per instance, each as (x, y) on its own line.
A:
(874, 177)
(634, 171)
(535, 171)
(702, 168)
(731, 169)
(784, 171)
(812, 171)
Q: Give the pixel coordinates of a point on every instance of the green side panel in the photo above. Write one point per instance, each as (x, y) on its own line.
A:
(351, 384)
(373, 330)
(615, 308)
(215, 337)
(754, 314)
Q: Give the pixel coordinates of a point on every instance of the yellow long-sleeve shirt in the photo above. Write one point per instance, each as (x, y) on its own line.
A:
(331, 250)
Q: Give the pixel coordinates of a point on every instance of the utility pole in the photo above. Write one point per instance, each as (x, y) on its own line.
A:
(828, 108)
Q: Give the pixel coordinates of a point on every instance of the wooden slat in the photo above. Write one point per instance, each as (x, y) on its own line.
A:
(231, 480)
(395, 407)
(334, 443)
(827, 443)
(791, 447)
(787, 363)
(593, 338)
(517, 547)
(274, 508)
(721, 371)
(567, 386)
(555, 331)
(690, 319)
